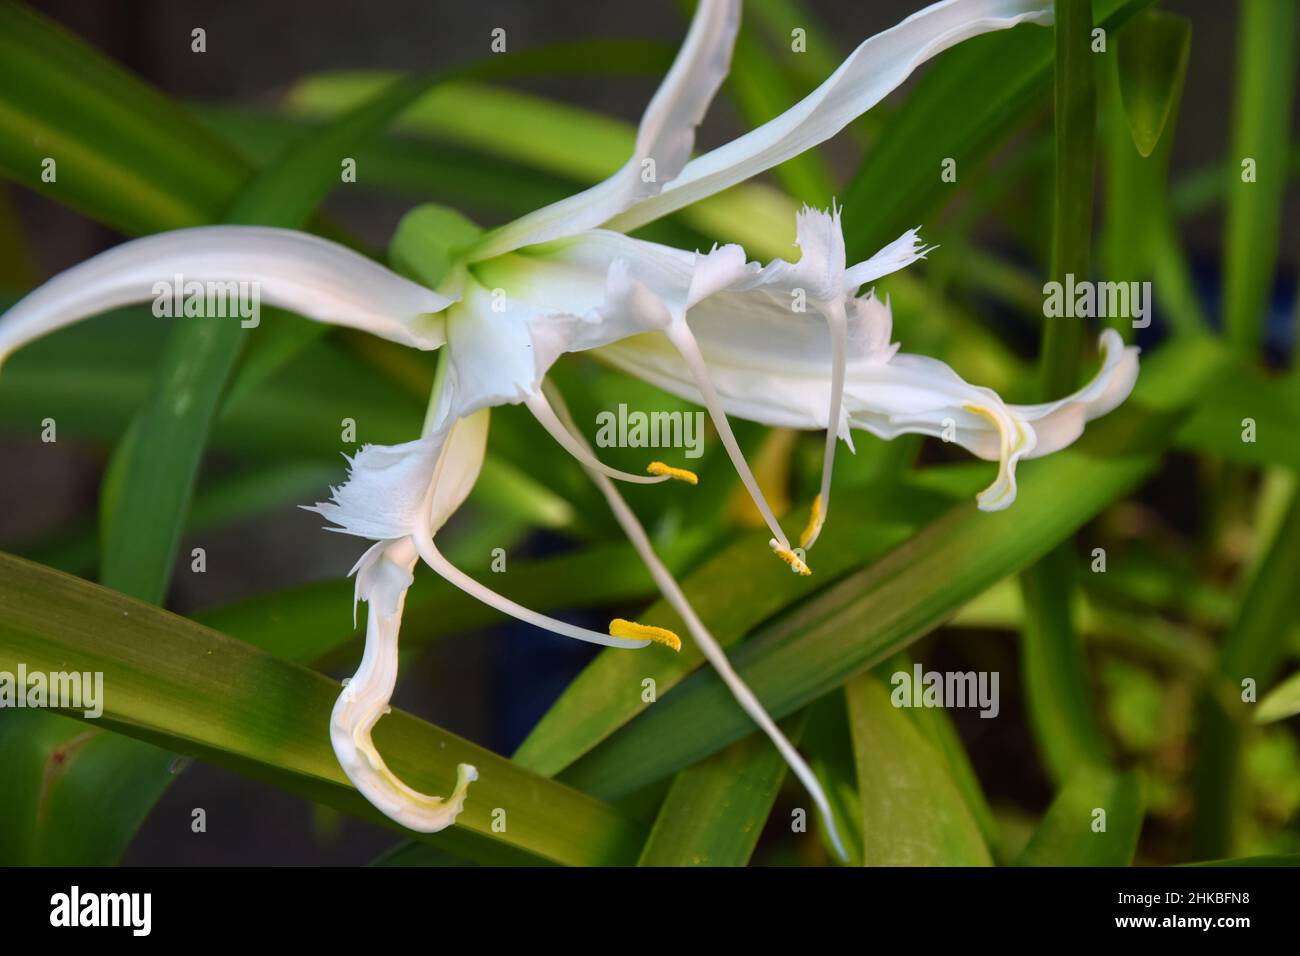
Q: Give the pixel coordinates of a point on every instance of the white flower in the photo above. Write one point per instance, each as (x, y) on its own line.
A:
(790, 343)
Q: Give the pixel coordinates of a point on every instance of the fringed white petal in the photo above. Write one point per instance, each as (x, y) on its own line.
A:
(877, 67)
(899, 254)
(397, 490)
(819, 271)
(386, 491)
(663, 144)
(316, 278)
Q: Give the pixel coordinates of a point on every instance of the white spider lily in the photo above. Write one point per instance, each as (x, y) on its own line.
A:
(569, 286)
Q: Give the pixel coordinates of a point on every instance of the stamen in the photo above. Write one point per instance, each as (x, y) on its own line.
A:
(837, 322)
(631, 630)
(678, 474)
(814, 524)
(713, 651)
(790, 558)
(684, 341)
(545, 415)
(453, 575)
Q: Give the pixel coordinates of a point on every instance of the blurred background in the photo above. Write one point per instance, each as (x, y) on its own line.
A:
(491, 686)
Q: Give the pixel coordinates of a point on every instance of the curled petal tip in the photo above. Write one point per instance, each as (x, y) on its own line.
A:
(378, 784)
(382, 580)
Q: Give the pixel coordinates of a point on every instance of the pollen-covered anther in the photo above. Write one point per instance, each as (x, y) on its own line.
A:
(790, 558)
(677, 474)
(814, 523)
(633, 631)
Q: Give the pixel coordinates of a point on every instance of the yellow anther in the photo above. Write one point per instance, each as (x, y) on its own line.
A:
(678, 474)
(790, 558)
(814, 523)
(633, 631)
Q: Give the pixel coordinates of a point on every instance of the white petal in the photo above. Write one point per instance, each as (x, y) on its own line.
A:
(382, 581)
(306, 274)
(819, 271)
(397, 490)
(386, 491)
(771, 366)
(520, 313)
(1059, 423)
(464, 448)
(664, 138)
(871, 72)
(899, 254)
(717, 271)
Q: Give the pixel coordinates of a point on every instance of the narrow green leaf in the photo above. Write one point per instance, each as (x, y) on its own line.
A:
(429, 171)
(964, 106)
(1252, 650)
(779, 19)
(1254, 420)
(123, 153)
(92, 377)
(1138, 239)
(1054, 670)
(937, 728)
(224, 500)
(828, 745)
(1075, 118)
(17, 264)
(1256, 174)
(180, 685)
(1281, 702)
(912, 812)
(715, 811)
(1153, 49)
(1094, 821)
(66, 761)
(1055, 676)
